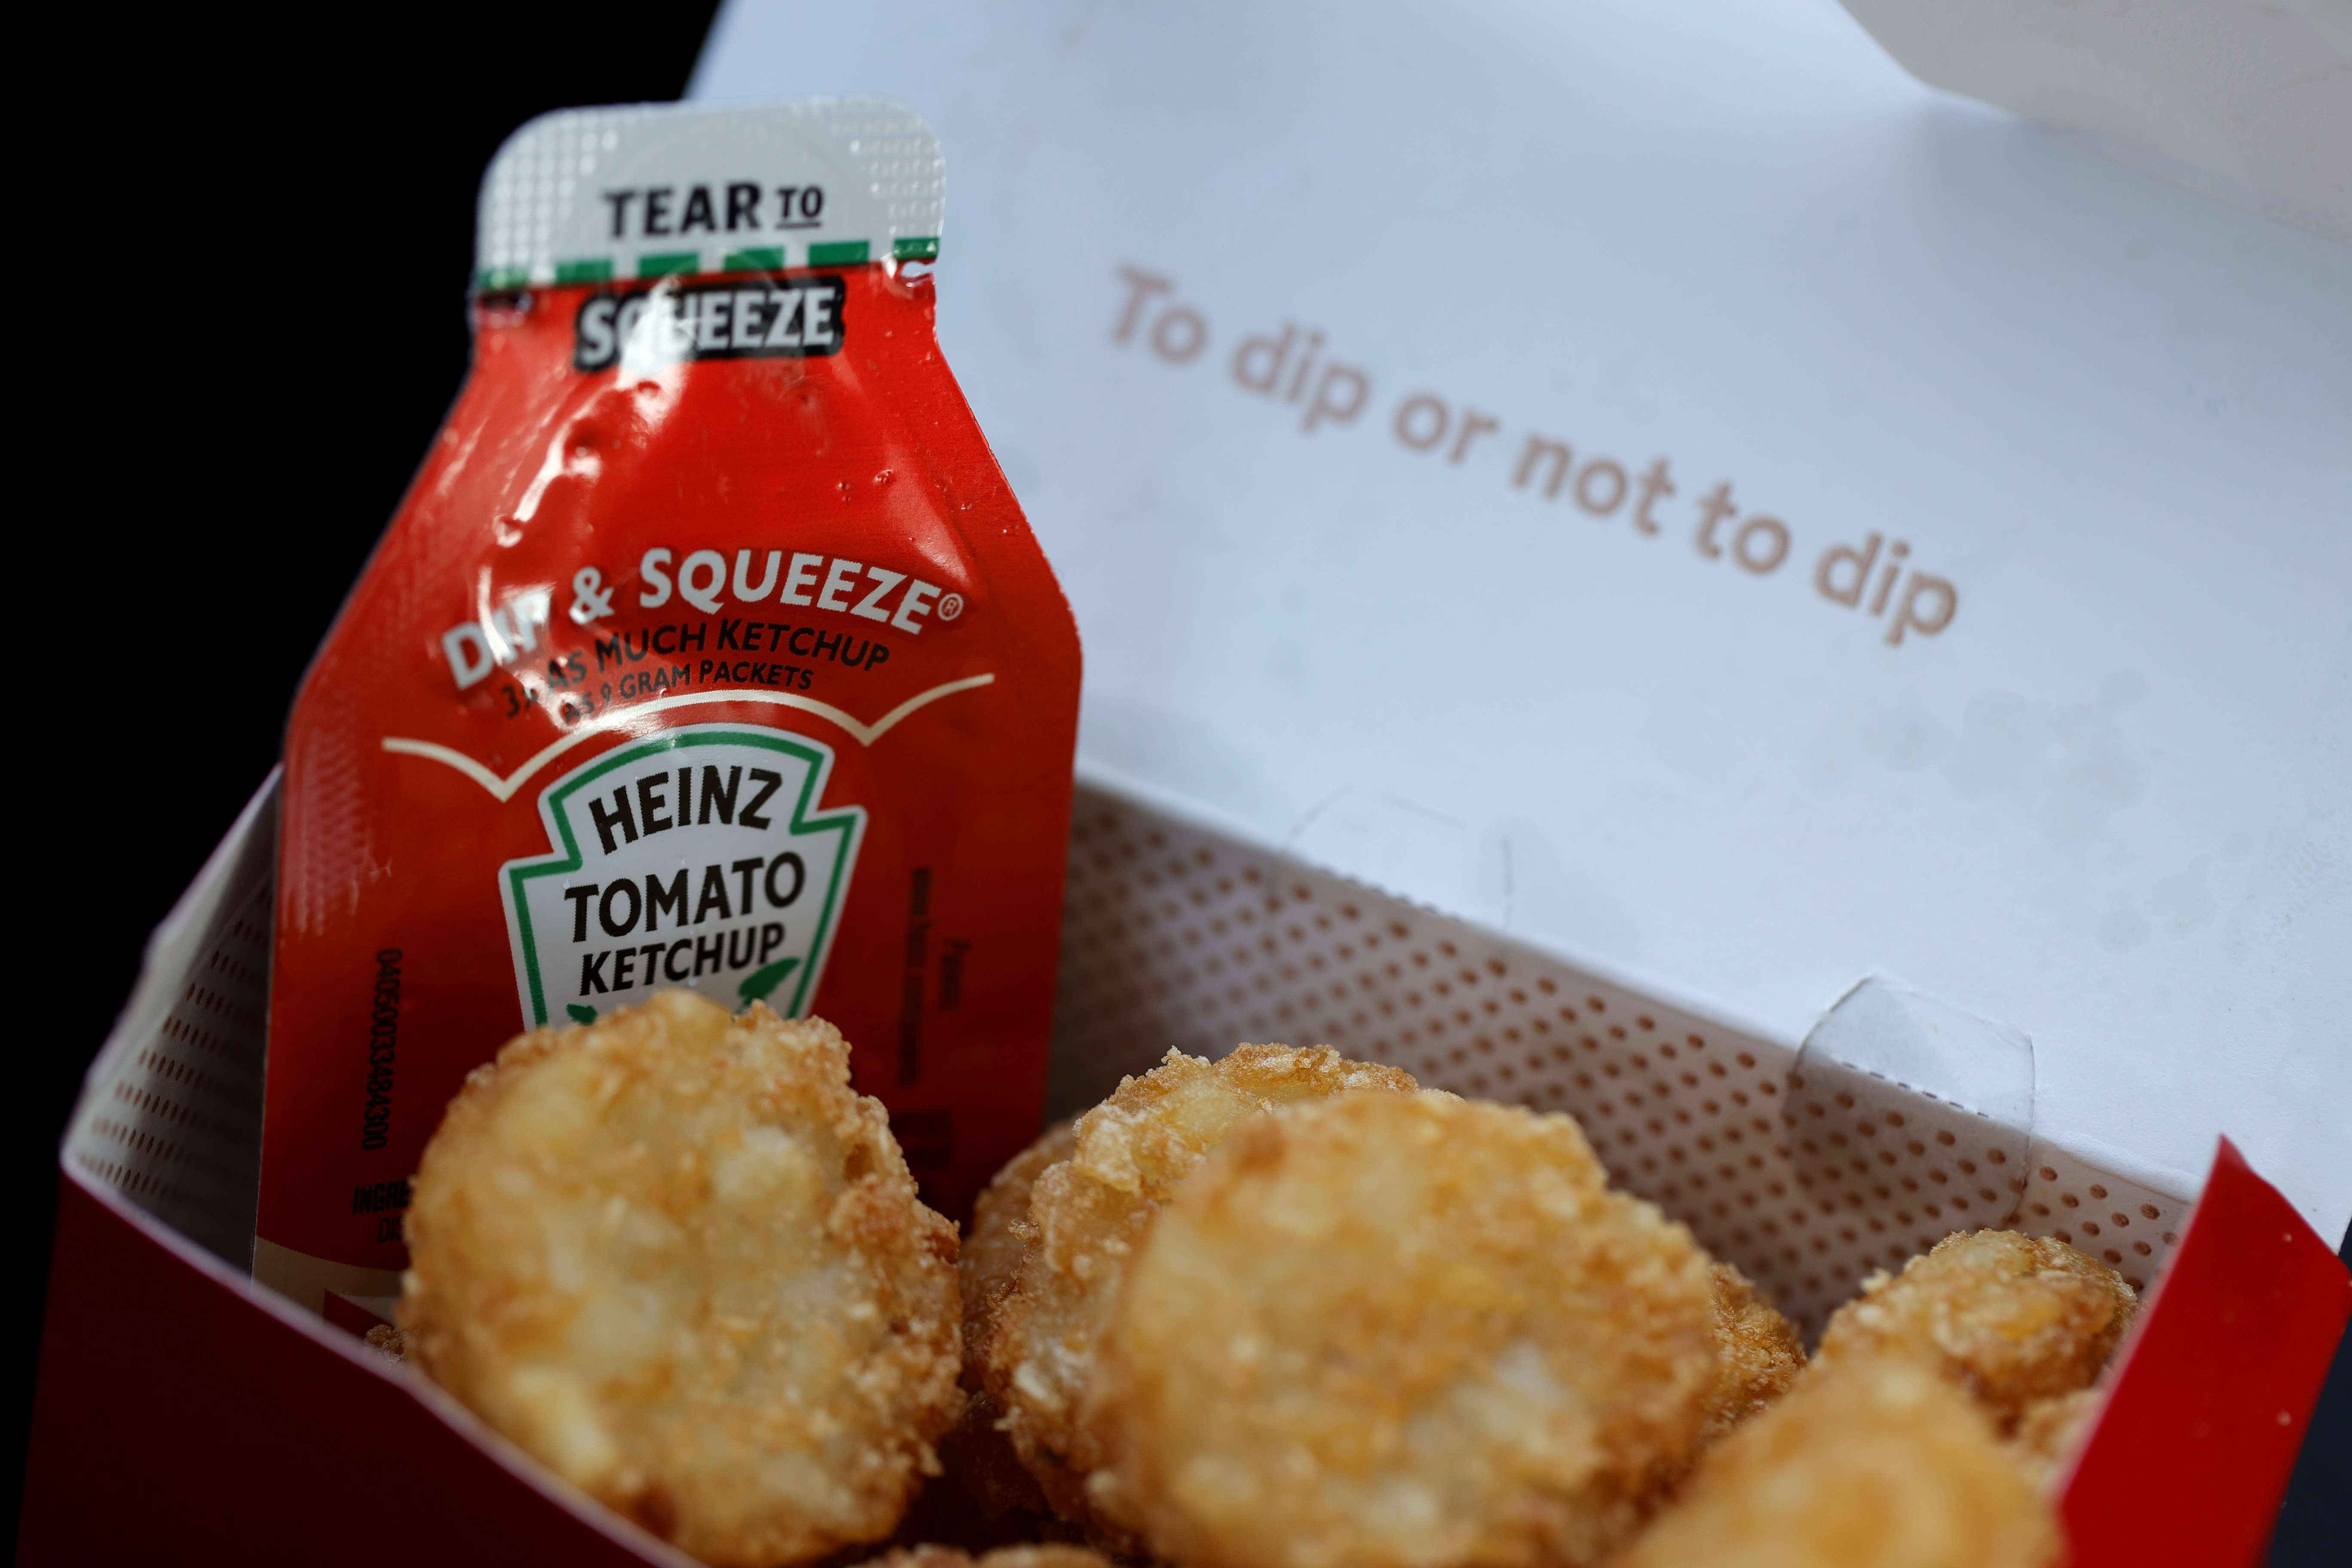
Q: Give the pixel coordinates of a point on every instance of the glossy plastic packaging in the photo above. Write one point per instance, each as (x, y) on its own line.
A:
(708, 648)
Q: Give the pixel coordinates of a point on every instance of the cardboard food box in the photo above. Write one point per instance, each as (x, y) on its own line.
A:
(1650, 566)
(244, 1417)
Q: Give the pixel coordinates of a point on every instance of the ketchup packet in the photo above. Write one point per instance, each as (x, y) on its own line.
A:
(710, 649)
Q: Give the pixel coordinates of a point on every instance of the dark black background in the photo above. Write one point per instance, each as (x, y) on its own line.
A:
(236, 428)
(282, 210)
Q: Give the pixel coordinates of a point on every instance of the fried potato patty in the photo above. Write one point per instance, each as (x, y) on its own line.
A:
(1089, 1211)
(1045, 1555)
(1401, 1330)
(2049, 1432)
(1874, 1464)
(2011, 1318)
(677, 1258)
(1759, 1354)
(978, 1454)
(1001, 1232)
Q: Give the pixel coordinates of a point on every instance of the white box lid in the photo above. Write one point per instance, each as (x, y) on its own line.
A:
(2106, 806)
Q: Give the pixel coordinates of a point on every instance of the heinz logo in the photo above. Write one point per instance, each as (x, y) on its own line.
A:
(701, 857)
(668, 323)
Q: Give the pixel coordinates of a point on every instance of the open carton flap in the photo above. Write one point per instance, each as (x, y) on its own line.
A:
(2217, 1380)
(1668, 487)
(2250, 103)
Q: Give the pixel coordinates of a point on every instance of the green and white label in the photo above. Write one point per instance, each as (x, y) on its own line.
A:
(696, 858)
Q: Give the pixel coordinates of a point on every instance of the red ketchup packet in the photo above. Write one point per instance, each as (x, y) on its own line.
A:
(708, 648)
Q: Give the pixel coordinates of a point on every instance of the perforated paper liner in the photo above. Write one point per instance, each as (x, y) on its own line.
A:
(1178, 938)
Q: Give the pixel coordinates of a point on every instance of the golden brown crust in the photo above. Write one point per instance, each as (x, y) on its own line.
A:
(2047, 1433)
(675, 1256)
(1759, 1354)
(1001, 1233)
(977, 1453)
(1041, 1554)
(387, 1341)
(2011, 1318)
(1090, 1210)
(1393, 1329)
(1872, 1464)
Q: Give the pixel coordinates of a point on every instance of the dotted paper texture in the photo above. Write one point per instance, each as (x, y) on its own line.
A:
(1898, 1168)
(171, 1117)
(2131, 1226)
(1177, 939)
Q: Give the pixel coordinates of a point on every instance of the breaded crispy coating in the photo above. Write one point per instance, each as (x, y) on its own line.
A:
(1393, 1329)
(1758, 1350)
(1092, 1208)
(2011, 1318)
(978, 1454)
(1001, 1232)
(2047, 1434)
(1045, 1555)
(1871, 1463)
(677, 1258)
(387, 1341)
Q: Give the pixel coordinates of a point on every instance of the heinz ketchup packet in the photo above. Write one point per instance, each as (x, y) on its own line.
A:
(710, 649)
